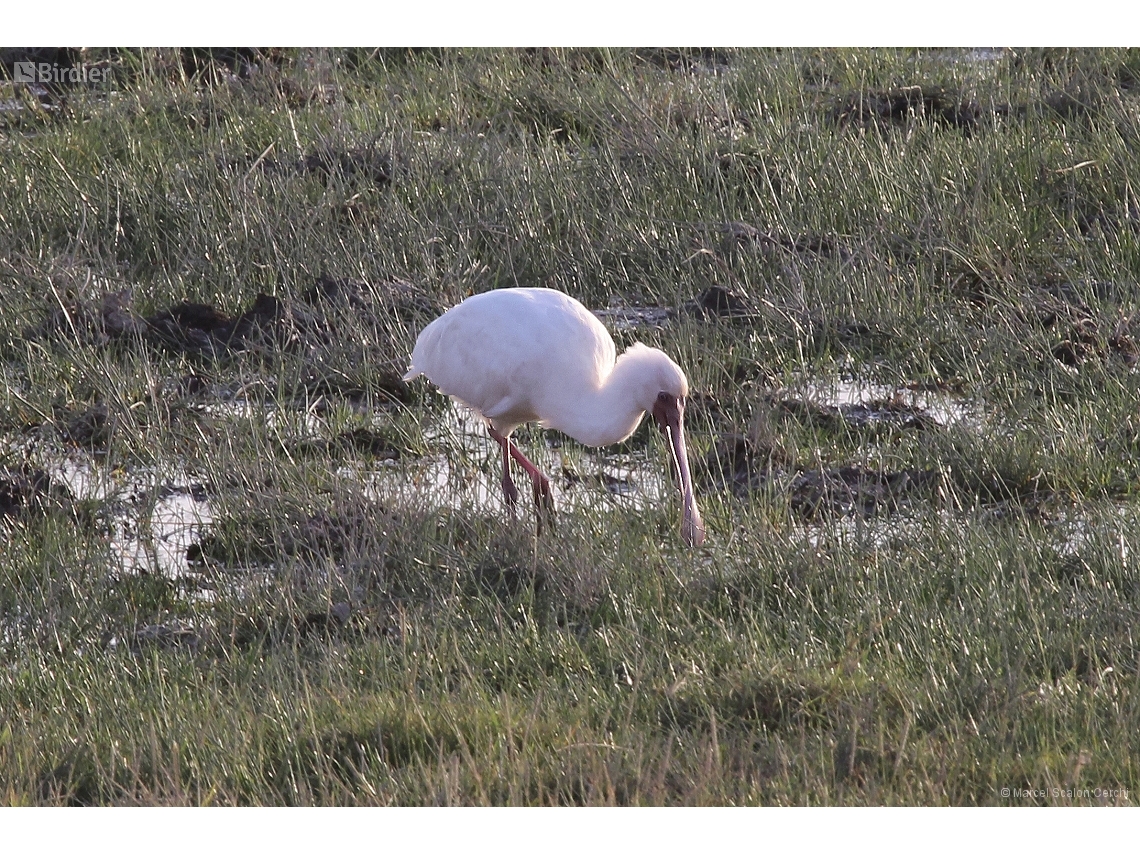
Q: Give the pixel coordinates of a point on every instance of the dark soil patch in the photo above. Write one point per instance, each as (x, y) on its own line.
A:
(31, 492)
(684, 59)
(395, 298)
(853, 489)
(898, 107)
(744, 465)
(719, 302)
(313, 322)
(97, 322)
(741, 464)
(89, 427)
(262, 539)
(359, 440)
(200, 328)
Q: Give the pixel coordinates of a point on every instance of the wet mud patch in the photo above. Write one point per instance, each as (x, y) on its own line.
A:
(336, 322)
(713, 302)
(1081, 321)
(921, 103)
(200, 328)
(359, 441)
(622, 318)
(732, 306)
(846, 490)
(30, 492)
(756, 461)
(864, 408)
(745, 466)
(719, 302)
(88, 427)
(267, 536)
(742, 465)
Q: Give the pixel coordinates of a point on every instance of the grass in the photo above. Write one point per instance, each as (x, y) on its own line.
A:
(351, 633)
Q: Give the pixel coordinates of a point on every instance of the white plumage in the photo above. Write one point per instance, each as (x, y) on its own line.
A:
(519, 355)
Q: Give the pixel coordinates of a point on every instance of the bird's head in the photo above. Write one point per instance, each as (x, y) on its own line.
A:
(651, 371)
(666, 388)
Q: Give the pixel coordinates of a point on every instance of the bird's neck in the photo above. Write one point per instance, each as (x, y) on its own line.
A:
(609, 414)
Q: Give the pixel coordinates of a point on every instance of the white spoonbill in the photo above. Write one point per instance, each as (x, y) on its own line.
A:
(520, 355)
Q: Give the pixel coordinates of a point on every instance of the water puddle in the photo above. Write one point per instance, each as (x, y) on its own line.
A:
(463, 470)
(153, 518)
(624, 318)
(861, 402)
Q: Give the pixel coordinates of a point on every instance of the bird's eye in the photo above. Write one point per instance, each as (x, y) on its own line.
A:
(663, 397)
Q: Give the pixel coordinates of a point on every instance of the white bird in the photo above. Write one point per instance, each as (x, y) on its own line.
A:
(519, 355)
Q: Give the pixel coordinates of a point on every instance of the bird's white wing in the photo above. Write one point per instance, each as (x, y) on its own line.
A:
(515, 354)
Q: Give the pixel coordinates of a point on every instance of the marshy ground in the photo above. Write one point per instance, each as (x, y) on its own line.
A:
(241, 562)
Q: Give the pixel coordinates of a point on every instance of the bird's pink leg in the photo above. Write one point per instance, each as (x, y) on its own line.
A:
(510, 491)
(543, 498)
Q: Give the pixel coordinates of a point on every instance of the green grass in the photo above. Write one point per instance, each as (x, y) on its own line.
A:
(353, 635)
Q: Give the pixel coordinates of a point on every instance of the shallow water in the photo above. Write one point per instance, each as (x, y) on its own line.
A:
(153, 517)
(945, 408)
(463, 468)
(624, 318)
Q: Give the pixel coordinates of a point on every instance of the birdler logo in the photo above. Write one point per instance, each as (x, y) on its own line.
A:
(53, 72)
